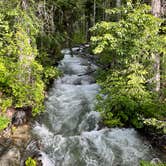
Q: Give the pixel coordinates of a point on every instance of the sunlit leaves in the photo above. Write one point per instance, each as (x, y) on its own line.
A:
(3, 122)
(159, 125)
(20, 74)
(127, 46)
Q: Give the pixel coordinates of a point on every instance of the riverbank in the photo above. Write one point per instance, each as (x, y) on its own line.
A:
(17, 142)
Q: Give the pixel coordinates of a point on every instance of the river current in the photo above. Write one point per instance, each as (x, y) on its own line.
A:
(69, 131)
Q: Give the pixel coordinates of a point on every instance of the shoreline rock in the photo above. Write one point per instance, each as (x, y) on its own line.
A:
(156, 139)
(16, 141)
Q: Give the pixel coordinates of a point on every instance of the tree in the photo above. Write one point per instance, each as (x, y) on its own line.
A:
(156, 11)
(21, 82)
(125, 49)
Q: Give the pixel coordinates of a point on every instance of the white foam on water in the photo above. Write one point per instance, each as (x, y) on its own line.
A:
(46, 161)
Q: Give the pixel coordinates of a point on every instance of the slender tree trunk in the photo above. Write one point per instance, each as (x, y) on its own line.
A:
(156, 8)
(118, 4)
(24, 4)
(156, 11)
(88, 26)
(25, 60)
(157, 72)
(52, 19)
(163, 8)
(88, 13)
(94, 12)
(104, 6)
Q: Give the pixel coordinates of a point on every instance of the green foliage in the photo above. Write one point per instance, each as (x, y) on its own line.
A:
(49, 48)
(30, 162)
(78, 38)
(30, 44)
(3, 122)
(50, 73)
(126, 49)
(133, 35)
(124, 96)
(147, 163)
(5, 103)
(20, 74)
(158, 125)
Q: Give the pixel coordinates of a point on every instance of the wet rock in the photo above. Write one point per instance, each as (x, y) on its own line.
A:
(77, 81)
(11, 148)
(6, 133)
(10, 112)
(16, 150)
(21, 116)
(4, 145)
(15, 145)
(155, 161)
(32, 150)
(156, 138)
(21, 135)
(11, 158)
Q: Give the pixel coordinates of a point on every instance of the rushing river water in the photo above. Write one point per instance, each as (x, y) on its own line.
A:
(69, 132)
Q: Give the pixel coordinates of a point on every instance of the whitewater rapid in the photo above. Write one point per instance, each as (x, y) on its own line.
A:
(69, 131)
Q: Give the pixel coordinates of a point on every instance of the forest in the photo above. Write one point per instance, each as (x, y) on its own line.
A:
(127, 42)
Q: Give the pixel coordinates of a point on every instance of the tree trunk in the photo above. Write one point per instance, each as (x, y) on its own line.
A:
(156, 11)
(88, 13)
(156, 8)
(118, 4)
(157, 72)
(94, 12)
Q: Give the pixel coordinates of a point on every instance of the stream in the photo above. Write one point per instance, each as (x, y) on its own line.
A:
(69, 130)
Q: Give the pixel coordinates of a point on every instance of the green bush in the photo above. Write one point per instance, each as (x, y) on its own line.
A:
(50, 73)
(21, 81)
(147, 163)
(30, 162)
(3, 122)
(126, 51)
(123, 97)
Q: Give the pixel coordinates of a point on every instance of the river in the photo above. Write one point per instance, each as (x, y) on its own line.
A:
(69, 131)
